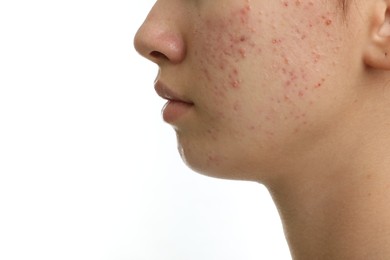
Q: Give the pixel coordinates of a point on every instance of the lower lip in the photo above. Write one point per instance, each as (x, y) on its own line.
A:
(174, 110)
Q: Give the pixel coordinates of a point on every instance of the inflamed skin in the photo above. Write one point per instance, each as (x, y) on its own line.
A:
(292, 94)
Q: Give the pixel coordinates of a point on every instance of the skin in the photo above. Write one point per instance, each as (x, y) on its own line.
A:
(291, 94)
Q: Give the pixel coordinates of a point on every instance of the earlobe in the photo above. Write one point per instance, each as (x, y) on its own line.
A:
(377, 51)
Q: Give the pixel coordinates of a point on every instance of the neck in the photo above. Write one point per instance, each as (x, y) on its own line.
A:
(336, 206)
(344, 219)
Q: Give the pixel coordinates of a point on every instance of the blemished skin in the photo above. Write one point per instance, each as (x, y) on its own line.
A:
(293, 94)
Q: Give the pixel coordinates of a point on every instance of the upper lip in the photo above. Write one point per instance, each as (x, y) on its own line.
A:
(167, 93)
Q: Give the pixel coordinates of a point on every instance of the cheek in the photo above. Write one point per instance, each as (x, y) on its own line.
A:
(301, 55)
(222, 44)
(270, 57)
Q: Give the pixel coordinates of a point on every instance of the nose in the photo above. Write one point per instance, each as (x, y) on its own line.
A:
(159, 38)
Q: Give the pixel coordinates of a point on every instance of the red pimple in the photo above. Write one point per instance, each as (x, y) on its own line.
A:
(319, 84)
(316, 57)
(214, 160)
(243, 13)
(293, 75)
(228, 51)
(276, 41)
(242, 52)
(234, 81)
(326, 20)
(235, 84)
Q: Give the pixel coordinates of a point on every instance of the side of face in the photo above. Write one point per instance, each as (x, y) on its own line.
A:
(268, 79)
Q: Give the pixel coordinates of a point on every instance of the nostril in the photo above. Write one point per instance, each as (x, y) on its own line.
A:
(158, 55)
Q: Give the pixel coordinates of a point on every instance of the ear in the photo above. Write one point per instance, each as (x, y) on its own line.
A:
(377, 51)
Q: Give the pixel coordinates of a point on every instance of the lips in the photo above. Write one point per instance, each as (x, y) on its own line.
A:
(176, 107)
(166, 93)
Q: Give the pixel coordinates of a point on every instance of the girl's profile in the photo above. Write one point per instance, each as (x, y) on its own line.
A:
(292, 94)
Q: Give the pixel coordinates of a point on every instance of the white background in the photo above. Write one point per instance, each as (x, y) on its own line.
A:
(88, 169)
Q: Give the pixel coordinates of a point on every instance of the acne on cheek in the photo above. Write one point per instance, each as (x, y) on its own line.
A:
(228, 41)
(298, 59)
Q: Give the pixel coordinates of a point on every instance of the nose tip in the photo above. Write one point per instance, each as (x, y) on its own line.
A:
(159, 41)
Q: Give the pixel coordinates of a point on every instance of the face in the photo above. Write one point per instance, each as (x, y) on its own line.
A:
(254, 83)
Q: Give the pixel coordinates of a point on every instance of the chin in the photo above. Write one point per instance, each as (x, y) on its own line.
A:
(211, 165)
